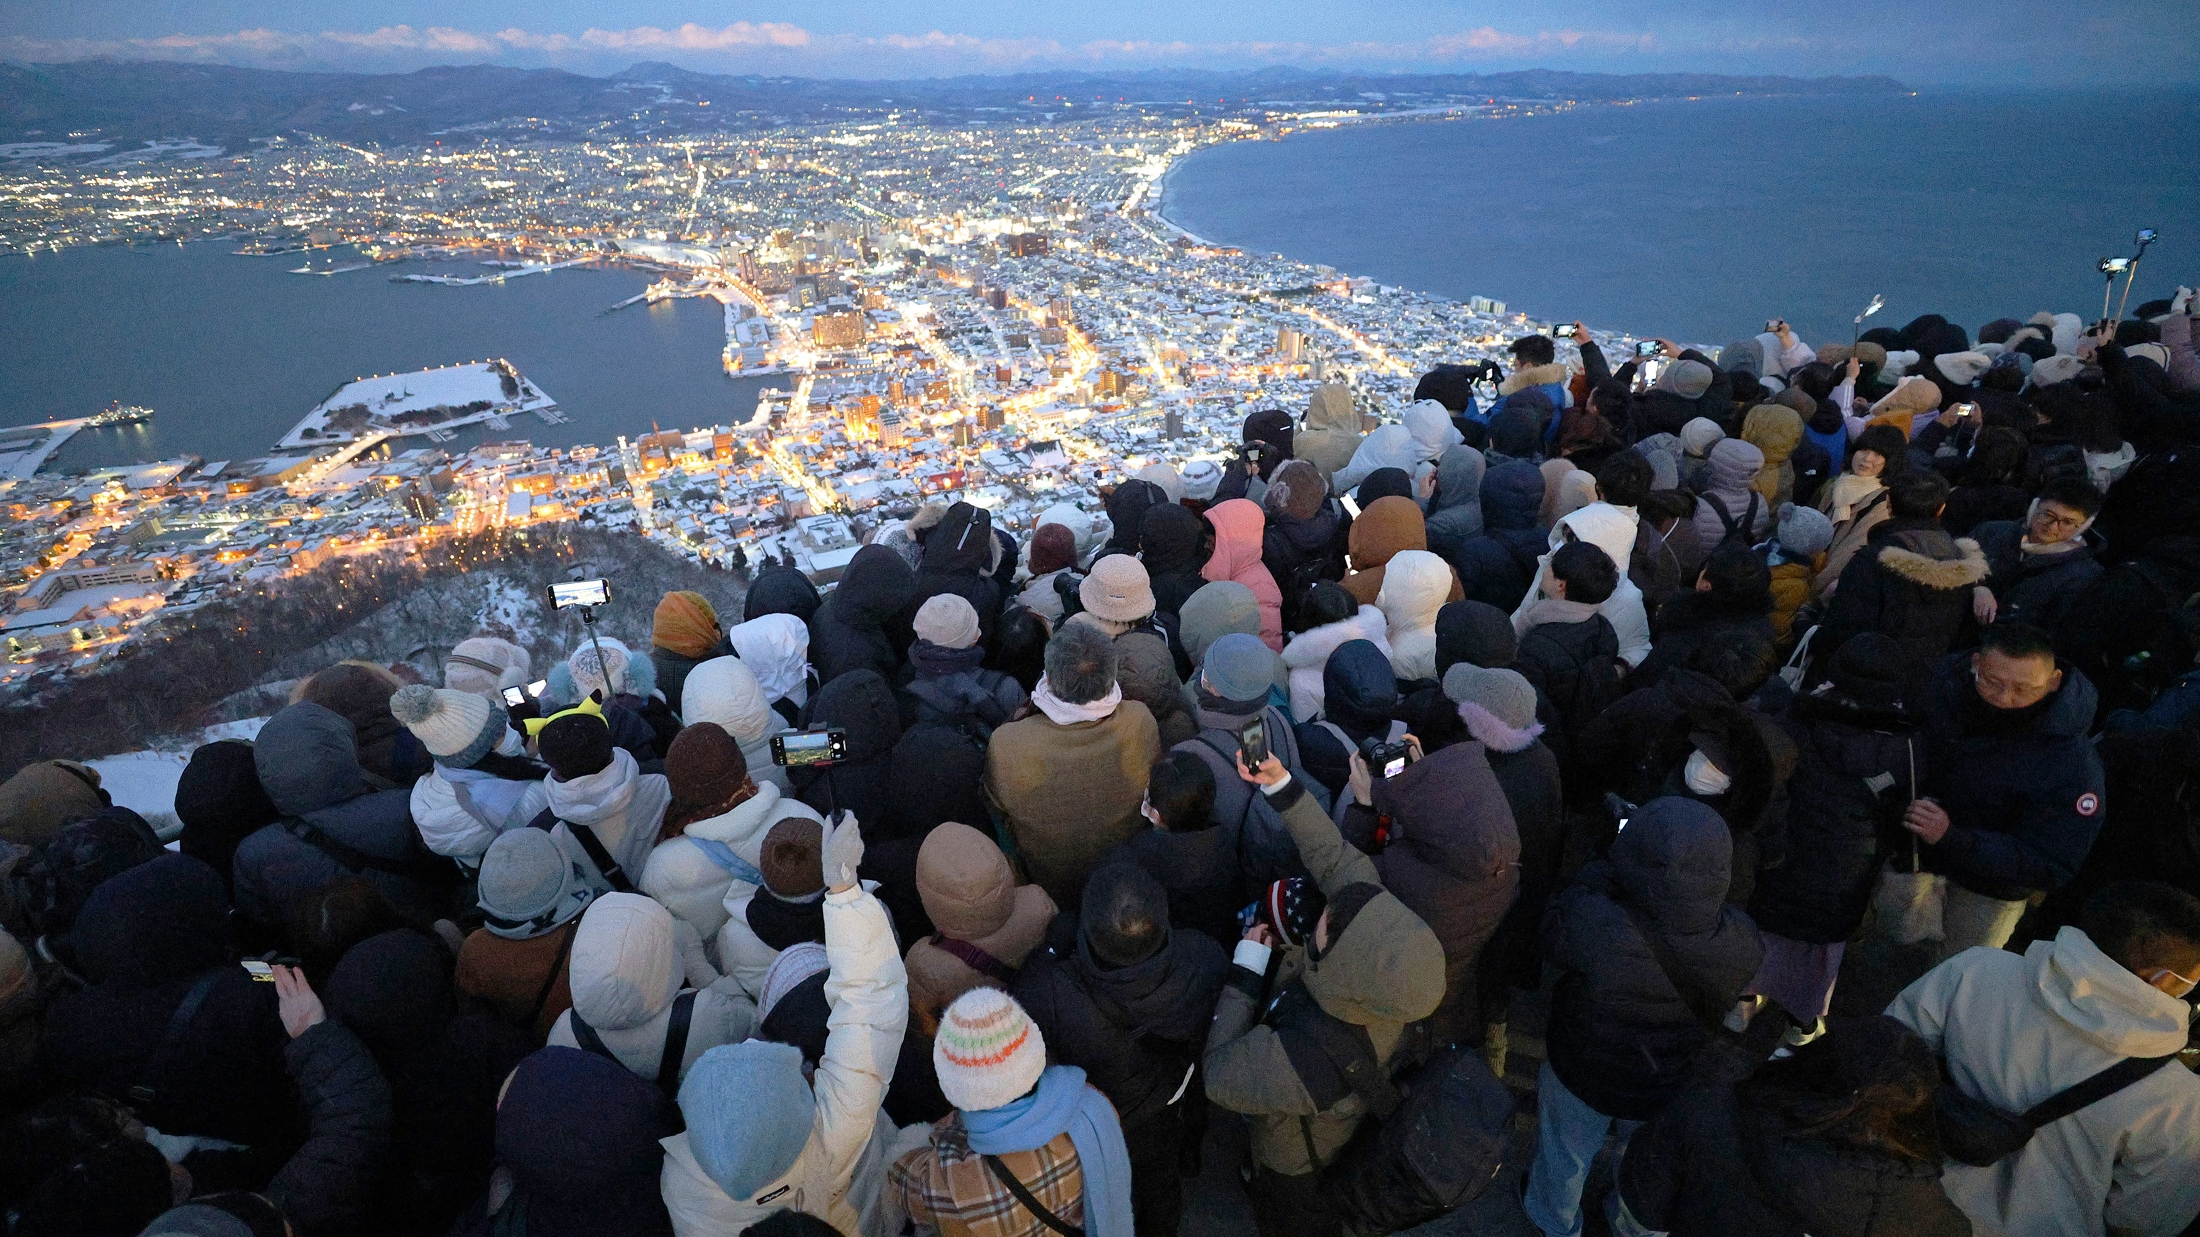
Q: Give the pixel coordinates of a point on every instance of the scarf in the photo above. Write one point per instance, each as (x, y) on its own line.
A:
(933, 661)
(1849, 493)
(1062, 713)
(1062, 1103)
(1551, 610)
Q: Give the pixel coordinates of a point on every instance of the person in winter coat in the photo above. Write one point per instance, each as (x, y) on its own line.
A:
(484, 665)
(2132, 660)
(359, 692)
(1689, 388)
(482, 784)
(1330, 431)
(1359, 696)
(1172, 545)
(1120, 996)
(1371, 965)
(961, 556)
(1118, 601)
(1497, 707)
(2015, 1030)
(1736, 761)
(855, 629)
(1066, 780)
(579, 1137)
(1452, 857)
(532, 893)
(1611, 529)
(780, 590)
(625, 685)
(1455, 509)
(1192, 854)
(1239, 527)
(777, 913)
(950, 686)
(985, 924)
(1733, 593)
(776, 649)
(1624, 1034)
(632, 965)
(332, 825)
(1987, 482)
(1567, 647)
(1307, 654)
(712, 839)
(1911, 580)
(1044, 1127)
(684, 632)
(2013, 792)
(1390, 448)
(1415, 587)
(861, 704)
(1730, 505)
(1793, 557)
(1127, 506)
(1053, 555)
(1232, 692)
(1306, 535)
(1498, 567)
(760, 1136)
(2039, 568)
(1385, 529)
(1214, 611)
(40, 798)
(1775, 431)
(1836, 1140)
(1696, 439)
(599, 800)
(1859, 500)
(220, 802)
(1859, 762)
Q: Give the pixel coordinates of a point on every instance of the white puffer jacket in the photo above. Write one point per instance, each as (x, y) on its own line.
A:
(630, 959)
(841, 1174)
(1611, 529)
(623, 805)
(725, 691)
(1415, 583)
(460, 811)
(1308, 652)
(691, 885)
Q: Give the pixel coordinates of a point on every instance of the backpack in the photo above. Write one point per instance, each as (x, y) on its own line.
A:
(1736, 530)
(50, 885)
(676, 1041)
(2167, 640)
(1264, 847)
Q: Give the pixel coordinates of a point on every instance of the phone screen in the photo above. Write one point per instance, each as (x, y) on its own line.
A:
(260, 971)
(538, 687)
(514, 696)
(1648, 347)
(580, 593)
(807, 741)
(1253, 742)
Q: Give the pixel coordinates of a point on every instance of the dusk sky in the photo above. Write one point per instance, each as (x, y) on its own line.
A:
(1943, 43)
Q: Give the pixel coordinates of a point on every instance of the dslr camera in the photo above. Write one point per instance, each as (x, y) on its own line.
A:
(1383, 759)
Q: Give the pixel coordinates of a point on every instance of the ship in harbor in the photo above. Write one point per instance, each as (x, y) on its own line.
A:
(119, 413)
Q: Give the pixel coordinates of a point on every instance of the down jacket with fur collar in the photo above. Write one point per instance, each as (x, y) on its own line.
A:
(1308, 653)
(1913, 582)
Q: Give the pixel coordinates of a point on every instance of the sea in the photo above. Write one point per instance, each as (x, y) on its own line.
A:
(1693, 220)
(231, 351)
(1699, 220)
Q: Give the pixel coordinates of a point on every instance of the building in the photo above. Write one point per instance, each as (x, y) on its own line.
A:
(1026, 245)
(1290, 344)
(841, 328)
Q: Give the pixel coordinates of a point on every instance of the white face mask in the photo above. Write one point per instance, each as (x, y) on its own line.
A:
(1703, 777)
(512, 744)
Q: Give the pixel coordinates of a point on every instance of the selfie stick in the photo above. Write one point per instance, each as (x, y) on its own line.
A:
(588, 620)
(2130, 273)
(2108, 287)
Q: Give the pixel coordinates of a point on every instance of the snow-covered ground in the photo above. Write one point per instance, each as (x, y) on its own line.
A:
(145, 782)
(392, 395)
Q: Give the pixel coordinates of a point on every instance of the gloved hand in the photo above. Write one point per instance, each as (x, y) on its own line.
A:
(841, 851)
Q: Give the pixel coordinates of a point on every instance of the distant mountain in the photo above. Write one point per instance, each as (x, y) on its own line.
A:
(129, 101)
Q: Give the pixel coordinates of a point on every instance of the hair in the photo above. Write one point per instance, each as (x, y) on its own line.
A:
(323, 928)
(2017, 640)
(1324, 602)
(1667, 505)
(1889, 444)
(1734, 658)
(1918, 496)
(2076, 493)
(1997, 455)
(1624, 478)
(1534, 350)
(2138, 923)
(1080, 664)
(1739, 574)
(1808, 1089)
(1125, 916)
(1818, 379)
(1182, 789)
(1587, 570)
(1023, 635)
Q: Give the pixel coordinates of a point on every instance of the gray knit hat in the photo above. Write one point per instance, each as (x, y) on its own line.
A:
(1239, 667)
(458, 728)
(529, 886)
(1687, 379)
(1504, 694)
(1804, 530)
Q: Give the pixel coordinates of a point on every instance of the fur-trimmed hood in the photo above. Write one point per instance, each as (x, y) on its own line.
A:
(1493, 733)
(1917, 564)
(1533, 376)
(1307, 656)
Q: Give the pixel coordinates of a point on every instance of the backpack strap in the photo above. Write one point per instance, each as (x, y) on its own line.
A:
(2093, 1090)
(612, 873)
(676, 1043)
(550, 982)
(585, 1035)
(1031, 1204)
(975, 958)
(1699, 999)
(147, 1088)
(350, 857)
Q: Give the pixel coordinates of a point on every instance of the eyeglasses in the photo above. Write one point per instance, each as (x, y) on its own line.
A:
(2051, 520)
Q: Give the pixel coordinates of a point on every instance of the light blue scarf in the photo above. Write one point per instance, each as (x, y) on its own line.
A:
(1063, 1103)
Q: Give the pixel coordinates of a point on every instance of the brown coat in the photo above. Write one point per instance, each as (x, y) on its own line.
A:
(1389, 527)
(971, 895)
(1067, 795)
(510, 975)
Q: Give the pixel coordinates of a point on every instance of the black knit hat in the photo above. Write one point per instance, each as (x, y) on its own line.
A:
(576, 745)
(1869, 668)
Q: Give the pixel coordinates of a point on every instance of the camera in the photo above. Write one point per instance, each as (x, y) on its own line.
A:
(812, 748)
(1965, 410)
(2114, 266)
(1386, 759)
(580, 593)
(1253, 743)
(1647, 347)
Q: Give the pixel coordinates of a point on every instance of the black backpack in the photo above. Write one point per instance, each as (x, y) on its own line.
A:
(1438, 1151)
(1737, 531)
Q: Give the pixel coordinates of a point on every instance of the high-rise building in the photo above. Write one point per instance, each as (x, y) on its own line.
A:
(1027, 245)
(1172, 425)
(841, 328)
(990, 418)
(1290, 344)
(890, 428)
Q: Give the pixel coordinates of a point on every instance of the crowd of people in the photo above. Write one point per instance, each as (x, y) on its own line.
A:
(965, 895)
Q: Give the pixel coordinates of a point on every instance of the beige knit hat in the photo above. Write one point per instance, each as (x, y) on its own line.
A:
(457, 728)
(988, 1052)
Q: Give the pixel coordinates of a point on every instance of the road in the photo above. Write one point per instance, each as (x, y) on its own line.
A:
(28, 464)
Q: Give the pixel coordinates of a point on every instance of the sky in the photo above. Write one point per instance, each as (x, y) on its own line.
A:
(1928, 43)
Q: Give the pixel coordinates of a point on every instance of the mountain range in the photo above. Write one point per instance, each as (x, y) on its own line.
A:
(130, 101)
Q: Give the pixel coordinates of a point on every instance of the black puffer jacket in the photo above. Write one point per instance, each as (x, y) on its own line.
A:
(1757, 758)
(1498, 566)
(1620, 1036)
(1205, 881)
(1127, 506)
(959, 555)
(1911, 581)
(857, 628)
(1316, 544)
(326, 1188)
(2040, 590)
(1576, 665)
(1359, 696)
(1690, 619)
(1134, 1030)
(780, 590)
(860, 703)
(1614, 744)
(1172, 544)
(1854, 772)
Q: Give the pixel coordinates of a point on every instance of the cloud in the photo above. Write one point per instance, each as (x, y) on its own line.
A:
(784, 47)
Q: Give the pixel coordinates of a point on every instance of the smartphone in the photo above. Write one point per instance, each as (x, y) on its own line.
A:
(1253, 743)
(1772, 326)
(260, 971)
(801, 749)
(537, 688)
(580, 593)
(1561, 332)
(2115, 266)
(515, 697)
(1648, 347)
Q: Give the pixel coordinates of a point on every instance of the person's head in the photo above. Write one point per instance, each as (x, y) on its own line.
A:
(1323, 603)
(749, 1113)
(1737, 575)
(528, 885)
(1735, 658)
(1624, 479)
(988, 1053)
(948, 621)
(2014, 667)
(575, 745)
(2152, 929)
(1866, 1083)
(1581, 571)
(1918, 496)
(1024, 636)
(1180, 794)
(1080, 664)
(1880, 452)
(791, 858)
(708, 775)
(1238, 668)
(1118, 590)
(1996, 454)
(2065, 509)
(686, 624)
(1533, 350)
(1124, 916)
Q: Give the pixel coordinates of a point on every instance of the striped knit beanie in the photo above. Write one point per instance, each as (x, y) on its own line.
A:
(988, 1052)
